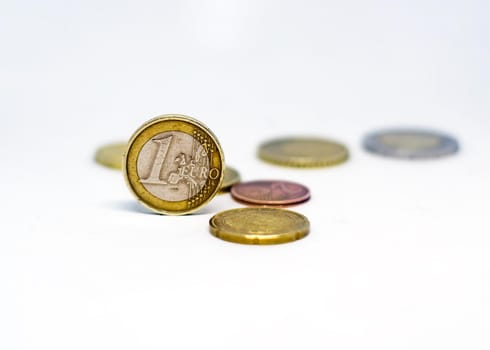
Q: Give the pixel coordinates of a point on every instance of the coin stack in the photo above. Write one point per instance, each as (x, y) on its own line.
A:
(174, 165)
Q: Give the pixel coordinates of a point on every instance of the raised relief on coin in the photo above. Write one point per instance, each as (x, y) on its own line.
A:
(174, 164)
(270, 192)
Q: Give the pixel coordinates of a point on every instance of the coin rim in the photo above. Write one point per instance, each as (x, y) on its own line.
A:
(299, 162)
(164, 118)
(254, 239)
(449, 144)
(250, 200)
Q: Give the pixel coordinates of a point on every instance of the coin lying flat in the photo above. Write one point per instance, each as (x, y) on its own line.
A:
(231, 177)
(174, 164)
(303, 152)
(270, 192)
(259, 225)
(410, 143)
(111, 155)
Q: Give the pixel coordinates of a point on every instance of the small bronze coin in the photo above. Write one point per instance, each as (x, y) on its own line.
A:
(259, 225)
(174, 164)
(303, 152)
(111, 155)
(270, 192)
(410, 143)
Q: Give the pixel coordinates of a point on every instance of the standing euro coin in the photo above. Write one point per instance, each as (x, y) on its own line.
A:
(303, 152)
(410, 143)
(259, 225)
(174, 164)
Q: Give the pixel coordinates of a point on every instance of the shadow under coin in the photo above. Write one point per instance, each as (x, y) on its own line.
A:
(131, 206)
(135, 207)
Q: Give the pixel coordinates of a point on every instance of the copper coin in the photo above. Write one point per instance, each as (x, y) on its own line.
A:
(270, 192)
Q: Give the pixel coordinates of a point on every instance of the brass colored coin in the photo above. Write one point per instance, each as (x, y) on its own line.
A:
(259, 225)
(111, 155)
(174, 164)
(303, 152)
(231, 177)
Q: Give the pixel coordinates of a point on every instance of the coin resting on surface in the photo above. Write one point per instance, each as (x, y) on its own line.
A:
(111, 155)
(410, 143)
(230, 178)
(270, 192)
(174, 164)
(303, 152)
(259, 225)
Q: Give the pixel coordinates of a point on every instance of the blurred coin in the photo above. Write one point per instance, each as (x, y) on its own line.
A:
(111, 155)
(174, 164)
(410, 143)
(270, 192)
(303, 152)
(231, 177)
(259, 225)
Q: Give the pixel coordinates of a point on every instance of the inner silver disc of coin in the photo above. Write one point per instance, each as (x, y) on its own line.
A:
(173, 166)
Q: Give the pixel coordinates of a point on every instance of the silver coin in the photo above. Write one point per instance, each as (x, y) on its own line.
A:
(410, 143)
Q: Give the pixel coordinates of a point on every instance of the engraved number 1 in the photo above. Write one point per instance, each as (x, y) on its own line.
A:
(154, 176)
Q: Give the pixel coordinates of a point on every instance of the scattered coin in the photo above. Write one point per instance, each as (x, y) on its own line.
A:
(303, 152)
(111, 155)
(174, 164)
(410, 143)
(259, 225)
(231, 177)
(270, 192)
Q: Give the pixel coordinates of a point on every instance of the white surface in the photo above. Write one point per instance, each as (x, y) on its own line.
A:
(398, 255)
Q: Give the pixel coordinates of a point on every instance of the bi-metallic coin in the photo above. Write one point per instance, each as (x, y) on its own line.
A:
(270, 192)
(410, 143)
(174, 164)
(303, 152)
(111, 155)
(259, 225)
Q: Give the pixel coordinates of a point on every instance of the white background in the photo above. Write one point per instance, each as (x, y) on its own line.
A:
(398, 255)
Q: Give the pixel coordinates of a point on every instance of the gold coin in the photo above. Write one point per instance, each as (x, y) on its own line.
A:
(303, 152)
(231, 177)
(174, 164)
(259, 225)
(111, 155)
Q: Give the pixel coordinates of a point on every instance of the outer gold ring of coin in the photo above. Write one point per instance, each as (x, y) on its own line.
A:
(259, 225)
(174, 164)
(303, 152)
(111, 155)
